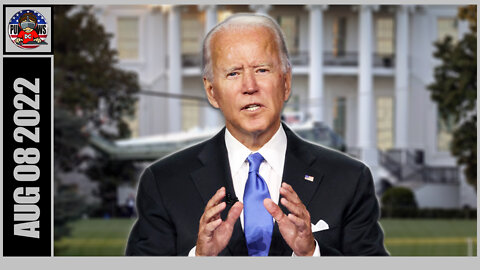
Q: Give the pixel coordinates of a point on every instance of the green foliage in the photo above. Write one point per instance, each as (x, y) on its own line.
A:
(111, 174)
(455, 91)
(69, 138)
(86, 73)
(68, 206)
(398, 202)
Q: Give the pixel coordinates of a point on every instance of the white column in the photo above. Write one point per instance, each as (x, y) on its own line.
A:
(153, 110)
(260, 9)
(315, 76)
(174, 70)
(401, 77)
(366, 105)
(212, 117)
(210, 17)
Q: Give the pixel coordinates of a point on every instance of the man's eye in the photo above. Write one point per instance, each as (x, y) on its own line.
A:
(262, 70)
(232, 74)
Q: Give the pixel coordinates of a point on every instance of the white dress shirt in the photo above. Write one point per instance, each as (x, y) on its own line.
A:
(271, 168)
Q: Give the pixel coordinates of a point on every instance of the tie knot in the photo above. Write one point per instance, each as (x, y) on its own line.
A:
(254, 160)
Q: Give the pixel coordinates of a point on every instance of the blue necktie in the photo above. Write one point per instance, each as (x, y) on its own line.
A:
(258, 223)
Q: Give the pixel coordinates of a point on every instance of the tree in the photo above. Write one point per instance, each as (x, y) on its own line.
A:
(86, 76)
(455, 91)
(86, 72)
(69, 139)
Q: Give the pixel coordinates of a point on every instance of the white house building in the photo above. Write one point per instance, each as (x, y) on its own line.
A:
(361, 70)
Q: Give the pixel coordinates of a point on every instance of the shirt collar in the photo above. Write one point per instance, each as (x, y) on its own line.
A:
(273, 151)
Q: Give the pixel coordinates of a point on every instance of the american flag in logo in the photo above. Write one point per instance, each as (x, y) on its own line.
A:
(41, 28)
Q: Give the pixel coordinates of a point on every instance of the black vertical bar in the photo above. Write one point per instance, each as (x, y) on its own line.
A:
(18, 240)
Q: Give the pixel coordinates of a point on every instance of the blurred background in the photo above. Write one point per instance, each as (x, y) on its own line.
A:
(394, 86)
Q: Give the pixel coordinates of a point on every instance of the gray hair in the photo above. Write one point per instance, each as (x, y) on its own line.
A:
(242, 21)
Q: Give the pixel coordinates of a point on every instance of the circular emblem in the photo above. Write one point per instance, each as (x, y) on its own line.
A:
(28, 29)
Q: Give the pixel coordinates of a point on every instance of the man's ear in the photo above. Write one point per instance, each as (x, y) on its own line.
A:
(288, 84)
(210, 93)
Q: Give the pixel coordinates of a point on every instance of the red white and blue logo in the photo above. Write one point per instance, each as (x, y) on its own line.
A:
(28, 29)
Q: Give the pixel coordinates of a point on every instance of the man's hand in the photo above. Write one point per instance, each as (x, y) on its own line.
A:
(213, 232)
(296, 227)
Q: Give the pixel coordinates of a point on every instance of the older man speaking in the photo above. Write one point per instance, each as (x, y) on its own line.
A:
(294, 197)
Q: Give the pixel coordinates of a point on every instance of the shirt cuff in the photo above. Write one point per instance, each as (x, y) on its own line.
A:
(316, 253)
(192, 252)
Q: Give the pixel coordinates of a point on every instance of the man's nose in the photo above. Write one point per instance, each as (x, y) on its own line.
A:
(249, 83)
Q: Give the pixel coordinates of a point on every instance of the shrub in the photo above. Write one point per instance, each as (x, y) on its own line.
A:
(399, 202)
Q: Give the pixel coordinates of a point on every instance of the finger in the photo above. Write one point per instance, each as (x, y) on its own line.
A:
(214, 212)
(234, 213)
(296, 209)
(212, 226)
(274, 210)
(288, 192)
(299, 223)
(216, 198)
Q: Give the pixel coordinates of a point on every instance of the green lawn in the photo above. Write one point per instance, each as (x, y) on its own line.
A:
(429, 237)
(403, 237)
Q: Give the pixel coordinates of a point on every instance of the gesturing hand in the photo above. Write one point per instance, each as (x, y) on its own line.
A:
(213, 232)
(296, 227)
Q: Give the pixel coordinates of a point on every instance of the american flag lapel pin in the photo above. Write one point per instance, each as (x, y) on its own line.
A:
(309, 178)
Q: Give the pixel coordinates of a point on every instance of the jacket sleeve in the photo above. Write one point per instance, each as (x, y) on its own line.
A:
(362, 234)
(153, 233)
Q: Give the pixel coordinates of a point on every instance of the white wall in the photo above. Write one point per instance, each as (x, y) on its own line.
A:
(437, 196)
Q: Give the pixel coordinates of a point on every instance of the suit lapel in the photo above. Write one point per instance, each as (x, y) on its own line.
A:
(215, 174)
(298, 166)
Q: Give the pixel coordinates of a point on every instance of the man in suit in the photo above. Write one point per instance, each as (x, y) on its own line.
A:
(255, 188)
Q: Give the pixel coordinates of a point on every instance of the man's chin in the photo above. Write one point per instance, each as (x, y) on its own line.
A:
(259, 128)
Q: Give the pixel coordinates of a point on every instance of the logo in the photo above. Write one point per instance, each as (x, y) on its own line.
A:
(28, 29)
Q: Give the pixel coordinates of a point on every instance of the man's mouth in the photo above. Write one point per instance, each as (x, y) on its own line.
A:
(251, 107)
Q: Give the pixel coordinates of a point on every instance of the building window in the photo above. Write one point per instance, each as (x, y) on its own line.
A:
(339, 116)
(190, 114)
(127, 40)
(223, 14)
(384, 123)
(384, 36)
(289, 25)
(339, 36)
(447, 27)
(192, 33)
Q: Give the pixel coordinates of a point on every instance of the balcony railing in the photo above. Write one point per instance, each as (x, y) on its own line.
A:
(408, 166)
(445, 175)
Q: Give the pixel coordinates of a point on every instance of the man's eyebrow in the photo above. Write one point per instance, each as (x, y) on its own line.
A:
(262, 65)
(231, 69)
(228, 70)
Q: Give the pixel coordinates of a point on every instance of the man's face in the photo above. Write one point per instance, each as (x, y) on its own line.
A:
(248, 85)
(28, 25)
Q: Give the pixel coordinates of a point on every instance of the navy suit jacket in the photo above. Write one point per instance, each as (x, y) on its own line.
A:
(173, 193)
